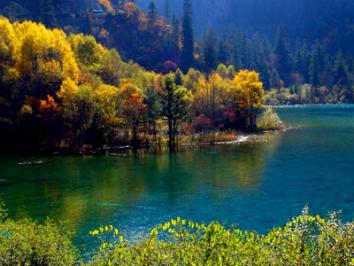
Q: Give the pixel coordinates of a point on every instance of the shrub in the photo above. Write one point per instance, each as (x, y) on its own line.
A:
(306, 240)
(26, 242)
(201, 123)
(3, 212)
(269, 120)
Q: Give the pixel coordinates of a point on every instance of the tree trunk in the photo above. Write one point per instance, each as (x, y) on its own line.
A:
(170, 134)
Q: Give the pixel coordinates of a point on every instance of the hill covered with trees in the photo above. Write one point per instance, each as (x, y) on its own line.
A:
(290, 43)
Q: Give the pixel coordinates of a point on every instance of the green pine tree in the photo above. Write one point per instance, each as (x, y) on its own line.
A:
(47, 13)
(209, 52)
(152, 13)
(282, 56)
(314, 69)
(187, 54)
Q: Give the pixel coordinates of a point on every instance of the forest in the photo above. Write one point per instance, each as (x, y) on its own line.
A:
(64, 92)
(305, 57)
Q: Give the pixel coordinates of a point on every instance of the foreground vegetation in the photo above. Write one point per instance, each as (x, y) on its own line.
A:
(305, 240)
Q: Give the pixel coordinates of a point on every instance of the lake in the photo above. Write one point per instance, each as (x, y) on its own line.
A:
(255, 186)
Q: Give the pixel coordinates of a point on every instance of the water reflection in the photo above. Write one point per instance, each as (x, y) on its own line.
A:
(81, 189)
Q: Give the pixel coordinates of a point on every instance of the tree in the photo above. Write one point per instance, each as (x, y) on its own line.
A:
(210, 55)
(187, 55)
(47, 13)
(153, 107)
(314, 68)
(341, 80)
(175, 102)
(107, 117)
(340, 76)
(249, 95)
(133, 109)
(8, 76)
(179, 77)
(167, 10)
(78, 109)
(111, 67)
(281, 58)
(152, 14)
(222, 53)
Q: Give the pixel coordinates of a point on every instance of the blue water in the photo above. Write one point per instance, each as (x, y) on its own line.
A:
(256, 186)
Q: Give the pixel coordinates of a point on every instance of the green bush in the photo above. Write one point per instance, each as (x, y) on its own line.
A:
(3, 212)
(269, 120)
(26, 242)
(306, 240)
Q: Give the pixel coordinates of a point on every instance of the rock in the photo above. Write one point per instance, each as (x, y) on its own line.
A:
(28, 163)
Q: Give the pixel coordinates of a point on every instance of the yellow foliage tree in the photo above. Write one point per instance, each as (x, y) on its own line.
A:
(249, 95)
(43, 58)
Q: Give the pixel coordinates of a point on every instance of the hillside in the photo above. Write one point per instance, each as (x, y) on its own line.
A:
(308, 20)
(290, 43)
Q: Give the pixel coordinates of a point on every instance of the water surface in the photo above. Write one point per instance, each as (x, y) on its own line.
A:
(256, 186)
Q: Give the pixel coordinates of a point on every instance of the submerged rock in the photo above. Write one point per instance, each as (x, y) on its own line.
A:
(27, 163)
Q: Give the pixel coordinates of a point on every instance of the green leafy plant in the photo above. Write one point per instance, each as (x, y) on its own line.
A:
(27, 242)
(305, 240)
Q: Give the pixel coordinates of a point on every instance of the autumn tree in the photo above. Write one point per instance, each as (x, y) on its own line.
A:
(78, 110)
(107, 118)
(249, 95)
(133, 110)
(8, 77)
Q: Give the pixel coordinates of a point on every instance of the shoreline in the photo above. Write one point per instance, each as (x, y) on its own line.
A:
(127, 150)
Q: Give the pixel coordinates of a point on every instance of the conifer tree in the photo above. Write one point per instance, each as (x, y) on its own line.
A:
(340, 76)
(167, 10)
(282, 59)
(222, 53)
(314, 72)
(210, 56)
(187, 55)
(47, 13)
(152, 14)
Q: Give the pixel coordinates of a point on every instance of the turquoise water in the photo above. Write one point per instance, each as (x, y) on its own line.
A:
(256, 186)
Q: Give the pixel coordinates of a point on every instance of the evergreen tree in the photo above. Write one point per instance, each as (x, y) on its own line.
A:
(209, 52)
(314, 72)
(187, 55)
(152, 13)
(179, 78)
(176, 31)
(222, 54)
(282, 60)
(273, 78)
(341, 80)
(47, 13)
(175, 102)
(167, 10)
(242, 51)
(340, 76)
